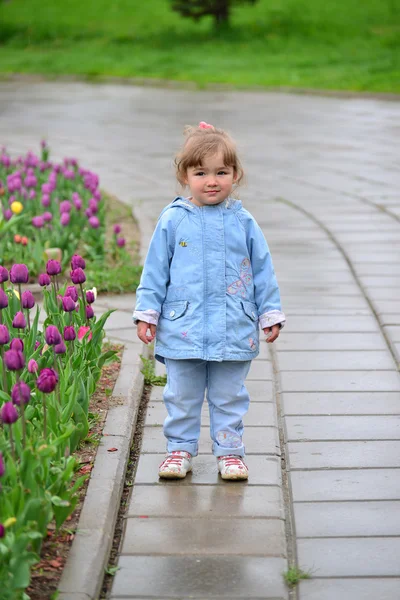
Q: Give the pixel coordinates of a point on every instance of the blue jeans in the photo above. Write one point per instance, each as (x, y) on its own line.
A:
(228, 402)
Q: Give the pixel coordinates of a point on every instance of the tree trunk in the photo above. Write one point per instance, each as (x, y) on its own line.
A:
(221, 12)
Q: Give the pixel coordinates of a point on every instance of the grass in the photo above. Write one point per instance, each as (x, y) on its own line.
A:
(335, 44)
(294, 574)
(149, 372)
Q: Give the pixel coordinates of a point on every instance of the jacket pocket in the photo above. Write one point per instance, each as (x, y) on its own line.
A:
(250, 309)
(174, 310)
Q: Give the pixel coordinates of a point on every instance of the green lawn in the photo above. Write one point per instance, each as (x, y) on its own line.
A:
(326, 44)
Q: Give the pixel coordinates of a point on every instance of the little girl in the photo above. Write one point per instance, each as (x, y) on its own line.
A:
(207, 283)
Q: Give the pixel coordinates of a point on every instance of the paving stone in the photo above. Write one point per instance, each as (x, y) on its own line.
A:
(259, 414)
(349, 589)
(338, 381)
(376, 427)
(257, 440)
(295, 301)
(335, 360)
(122, 320)
(333, 341)
(164, 536)
(393, 331)
(331, 403)
(264, 470)
(234, 499)
(201, 577)
(340, 455)
(333, 324)
(260, 370)
(390, 319)
(347, 519)
(351, 484)
(350, 557)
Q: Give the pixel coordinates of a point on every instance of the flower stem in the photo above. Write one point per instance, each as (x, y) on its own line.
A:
(20, 297)
(12, 445)
(22, 407)
(44, 417)
(84, 303)
(28, 319)
(5, 387)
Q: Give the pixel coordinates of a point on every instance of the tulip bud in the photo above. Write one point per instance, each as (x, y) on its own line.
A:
(90, 297)
(2, 531)
(94, 222)
(21, 391)
(47, 380)
(121, 242)
(82, 331)
(47, 217)
(38, 222)
(89, 312)
(14, 360)
(32, 366)
(77, 262)
(19, 321)
(60, 348)
(69, 333)
(44, 279)
(4, 335)
(28, 300)
(19, 274)
(52, 335)
(8, 413)
(65, 219)
(3, 274)
(53, 267)
(3, 299)
(117, 229)
(68, 304)
(78, 276)
(65, 206)
(72, 292)
(17, 344)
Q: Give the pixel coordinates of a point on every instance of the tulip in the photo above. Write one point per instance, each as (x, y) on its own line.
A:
(65, 219)
(93, 206)
(3, 274)
(37, 344)
(94, 222)
(38, 222)
(24, 241)
(47, 380)
(82, 331)
(21, 391)
(2, 531)
(117, 229)
(2, 465)
(19, 321)
(89, 312)
(121, 242)
(4, 335)
(32, 366)
(52, 335)
(69, 333)
(17, 207)
(72, 292)
(47, 216)
(60, 348)
(7, 214)
(77, 262)
(28, 300)
(17, 344)
(78, 203)
(9, 413)
(90, 297)
(14, 360)
(19, 274)
(65, 206)
(44, 279)
(3, 299)
(46, 200)
(78, 276)
(53, 267)
(68, 304)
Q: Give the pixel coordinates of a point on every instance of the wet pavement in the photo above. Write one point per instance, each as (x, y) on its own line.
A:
(323, 182)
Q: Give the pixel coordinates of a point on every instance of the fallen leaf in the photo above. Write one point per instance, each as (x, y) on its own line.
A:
(56, 563)
(112, 450)
(86, 469)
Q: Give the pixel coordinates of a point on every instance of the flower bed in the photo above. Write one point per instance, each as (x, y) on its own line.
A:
(47, 379)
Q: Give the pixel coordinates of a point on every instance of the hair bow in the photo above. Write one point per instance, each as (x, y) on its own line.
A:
(204, 125)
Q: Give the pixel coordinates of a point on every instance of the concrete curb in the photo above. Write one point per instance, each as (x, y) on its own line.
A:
(83, 574)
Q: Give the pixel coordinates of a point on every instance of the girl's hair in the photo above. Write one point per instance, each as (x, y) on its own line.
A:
(203, 141)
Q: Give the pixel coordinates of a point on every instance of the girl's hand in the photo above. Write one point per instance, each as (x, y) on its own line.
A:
(142, 328)
(272, 333)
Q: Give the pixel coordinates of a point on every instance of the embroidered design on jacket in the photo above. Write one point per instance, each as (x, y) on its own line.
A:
(183, 243)
(252, 344)
(245, 279)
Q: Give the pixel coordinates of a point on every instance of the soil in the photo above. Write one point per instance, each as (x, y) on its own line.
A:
(54, 553)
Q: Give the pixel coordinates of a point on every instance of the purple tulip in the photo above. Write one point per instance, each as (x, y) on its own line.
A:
(68, 304)
(46, 200)
(117, 229)
(19, 274)
(2, 466)
(65, 206)
(65, 219)
(69, 333)
(3, 299)
(94, 222)
(4, 335)
(8, 214)
(93, 206)
(44, 279)
(88, 212)
(17, 344)
(28, 300)
(47, 380)
(72, 292)
(21, 391)
(2, 530)
(9, 413)
(77, 203)
(32, 366)
(53, 267)
(47, 216)
(78, 276)
(14, 360)
(90, 297)
(52, 335)
(19, 321)
(3, 274)
(77, 262)
(121, 242)
(38, 222)
(47, 188)
(60, 348)
(89, 312)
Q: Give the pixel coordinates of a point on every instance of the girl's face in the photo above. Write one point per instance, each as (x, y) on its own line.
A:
(210, 183)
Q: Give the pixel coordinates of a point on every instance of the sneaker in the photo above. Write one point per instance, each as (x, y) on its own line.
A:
(176, 465)
(232, 467)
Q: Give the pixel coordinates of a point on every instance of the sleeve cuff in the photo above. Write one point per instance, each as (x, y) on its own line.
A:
(148, 316)
(273, 317)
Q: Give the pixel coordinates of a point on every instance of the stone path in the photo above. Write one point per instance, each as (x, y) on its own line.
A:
(324, 185)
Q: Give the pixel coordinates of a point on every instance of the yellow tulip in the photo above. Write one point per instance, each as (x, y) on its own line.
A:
(16, 207)
(9, 522)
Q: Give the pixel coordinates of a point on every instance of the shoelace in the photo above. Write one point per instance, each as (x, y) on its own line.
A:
(233, 461)
(175, 458)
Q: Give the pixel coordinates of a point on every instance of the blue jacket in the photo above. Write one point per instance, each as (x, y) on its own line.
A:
(207, 282)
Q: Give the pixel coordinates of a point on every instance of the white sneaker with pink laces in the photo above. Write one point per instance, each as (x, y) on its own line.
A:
(232, 467)
(176, 465)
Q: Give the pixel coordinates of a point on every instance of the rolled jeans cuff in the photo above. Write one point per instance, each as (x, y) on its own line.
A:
(218, 450)
(192, 448)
